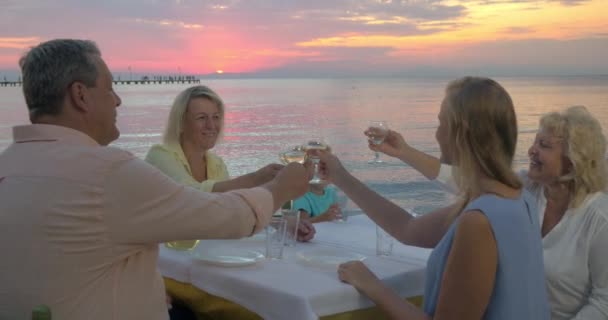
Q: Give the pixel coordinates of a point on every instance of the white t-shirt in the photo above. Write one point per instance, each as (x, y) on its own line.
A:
(575, 255)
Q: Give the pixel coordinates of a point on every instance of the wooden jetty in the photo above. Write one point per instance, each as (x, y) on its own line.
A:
(10, 83)
(151, 81)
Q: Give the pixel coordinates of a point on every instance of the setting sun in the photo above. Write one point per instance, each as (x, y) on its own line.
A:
(219, 71)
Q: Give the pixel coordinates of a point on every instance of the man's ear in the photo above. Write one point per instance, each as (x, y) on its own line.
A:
(79, 95)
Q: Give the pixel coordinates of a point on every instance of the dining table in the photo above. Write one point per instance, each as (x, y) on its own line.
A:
(304, 284)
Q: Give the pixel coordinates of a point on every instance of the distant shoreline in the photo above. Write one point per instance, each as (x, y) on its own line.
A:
(13, 76)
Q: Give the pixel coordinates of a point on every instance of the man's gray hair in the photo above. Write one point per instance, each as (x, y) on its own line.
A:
(50, 68)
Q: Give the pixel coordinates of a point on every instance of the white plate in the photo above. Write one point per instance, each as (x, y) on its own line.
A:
(228, 257)
(326, 257)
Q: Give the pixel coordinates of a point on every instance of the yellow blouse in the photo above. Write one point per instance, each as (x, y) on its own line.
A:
(171, 160)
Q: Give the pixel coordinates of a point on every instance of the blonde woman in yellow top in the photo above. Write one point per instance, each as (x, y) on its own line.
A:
(195, 123)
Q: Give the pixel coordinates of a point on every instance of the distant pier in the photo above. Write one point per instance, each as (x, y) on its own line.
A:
(168, 81)
(142, 81)
(10, 83)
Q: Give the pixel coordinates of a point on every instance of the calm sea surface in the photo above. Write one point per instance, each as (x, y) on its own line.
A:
(265, 116)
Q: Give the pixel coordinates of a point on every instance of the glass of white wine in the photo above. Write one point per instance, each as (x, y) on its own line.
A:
(293, 154)
(315, 144)
(377, 132)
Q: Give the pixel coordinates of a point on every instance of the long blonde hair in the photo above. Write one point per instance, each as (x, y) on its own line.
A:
(482, 127)
(585, 148)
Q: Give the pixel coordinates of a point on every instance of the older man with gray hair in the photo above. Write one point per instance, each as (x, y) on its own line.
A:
(80, 222)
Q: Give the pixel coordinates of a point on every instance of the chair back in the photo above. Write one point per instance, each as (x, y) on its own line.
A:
(41, 312)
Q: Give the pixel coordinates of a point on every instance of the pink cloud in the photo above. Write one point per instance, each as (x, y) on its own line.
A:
(18, 42)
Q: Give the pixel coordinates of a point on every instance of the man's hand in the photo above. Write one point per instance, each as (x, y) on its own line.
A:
(267, 173)
(289, 183)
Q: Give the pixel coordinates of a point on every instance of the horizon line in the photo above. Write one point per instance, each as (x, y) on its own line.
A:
(13, 75)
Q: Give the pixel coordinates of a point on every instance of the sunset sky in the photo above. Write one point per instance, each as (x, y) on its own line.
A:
(321, 37)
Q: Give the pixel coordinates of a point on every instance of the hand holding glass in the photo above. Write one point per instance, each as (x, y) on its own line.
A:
(293, 154)
(310, 146)
(377, 132)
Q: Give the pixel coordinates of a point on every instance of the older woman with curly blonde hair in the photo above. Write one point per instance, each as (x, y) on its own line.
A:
(568, 177)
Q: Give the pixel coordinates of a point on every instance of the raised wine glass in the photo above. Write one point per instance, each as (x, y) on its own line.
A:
(377, 132)
(315, 144)
(292, 154)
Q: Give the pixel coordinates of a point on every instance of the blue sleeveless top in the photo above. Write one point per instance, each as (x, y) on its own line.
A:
(519, 289)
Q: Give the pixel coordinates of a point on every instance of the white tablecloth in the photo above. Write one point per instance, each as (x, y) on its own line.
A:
(287, 289)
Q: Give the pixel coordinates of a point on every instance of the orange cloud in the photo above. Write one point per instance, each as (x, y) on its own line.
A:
(18, 43)
(244, 36)
(483, 23)
(286, 53)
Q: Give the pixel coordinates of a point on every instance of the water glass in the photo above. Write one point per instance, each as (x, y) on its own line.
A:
(384, 242)
(342, 201)
(293, 223)
(275, 237)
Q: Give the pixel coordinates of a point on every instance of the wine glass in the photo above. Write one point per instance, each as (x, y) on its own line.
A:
(315, 144)
(377, 132)
(292, 154)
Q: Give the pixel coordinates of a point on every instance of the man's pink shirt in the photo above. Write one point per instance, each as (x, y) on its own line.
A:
(80, 226)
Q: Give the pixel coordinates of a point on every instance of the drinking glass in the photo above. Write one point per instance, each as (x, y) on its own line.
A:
(384, 242)
(293, 223)
(292, 154)
(275, 237)
(378, 130)
(315, 144)
(342, 201)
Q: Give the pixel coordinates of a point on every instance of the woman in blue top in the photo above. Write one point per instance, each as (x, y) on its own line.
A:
(487, 258)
